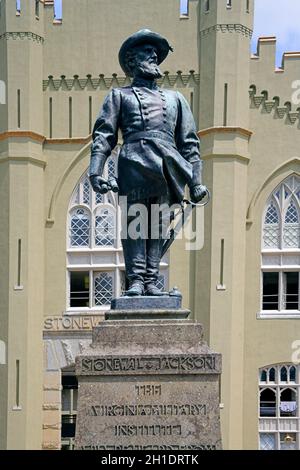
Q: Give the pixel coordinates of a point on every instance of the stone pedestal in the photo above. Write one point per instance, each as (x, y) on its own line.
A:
(148, 385)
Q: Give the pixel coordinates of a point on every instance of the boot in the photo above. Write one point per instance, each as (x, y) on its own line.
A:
(153, 291)
(136, 289)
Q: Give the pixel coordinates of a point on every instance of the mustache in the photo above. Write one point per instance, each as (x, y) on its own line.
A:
(149, 69)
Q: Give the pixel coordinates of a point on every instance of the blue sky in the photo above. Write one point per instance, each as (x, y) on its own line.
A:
(278, 18)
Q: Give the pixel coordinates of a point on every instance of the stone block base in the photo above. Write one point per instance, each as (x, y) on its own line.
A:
(151, 385)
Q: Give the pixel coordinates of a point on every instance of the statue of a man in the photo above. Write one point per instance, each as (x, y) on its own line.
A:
(160, 154)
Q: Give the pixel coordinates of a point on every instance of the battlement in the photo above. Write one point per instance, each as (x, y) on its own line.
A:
(266, 56)
(24, 9)
(279, 86)
(226, 12)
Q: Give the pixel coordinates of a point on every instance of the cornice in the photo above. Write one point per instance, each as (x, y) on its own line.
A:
(22, 35)
(33, 160)
(228, 28)
(225, 130)
(21, 134)
(102, 82)
(42, 139)
(75, 140)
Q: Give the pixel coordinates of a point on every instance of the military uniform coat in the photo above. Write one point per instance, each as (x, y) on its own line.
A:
(160, 141)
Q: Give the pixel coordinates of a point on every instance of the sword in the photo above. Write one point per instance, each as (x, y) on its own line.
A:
(187, 208)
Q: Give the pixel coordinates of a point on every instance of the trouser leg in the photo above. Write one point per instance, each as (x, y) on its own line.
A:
(134, 246)
(135, 259)
(158, 222)
(153, 260)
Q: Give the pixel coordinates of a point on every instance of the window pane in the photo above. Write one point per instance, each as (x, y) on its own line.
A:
(105, 226)
(288, 441)
(86, 191)
(75, 399)
(160, 283)
(79, 289)
(271, 227)
(111, 165)
(267, 442)
(283, 374)
(184, 7)
(292, 291)
(270, 291)
(288, 402)
(103, 288)
(69, 381)
(293, 374)
(272, 375)
(68, 426)
(268, 403)
(80, 228)
(263, 376)
(65, 400)
(271, 215)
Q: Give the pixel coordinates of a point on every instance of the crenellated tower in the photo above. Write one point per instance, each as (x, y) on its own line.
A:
(225, 30)
(22, 219)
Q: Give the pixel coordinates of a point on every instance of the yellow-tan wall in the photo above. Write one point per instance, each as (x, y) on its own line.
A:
(38, 176)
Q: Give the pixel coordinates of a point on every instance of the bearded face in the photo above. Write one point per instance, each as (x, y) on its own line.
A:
(144, 62)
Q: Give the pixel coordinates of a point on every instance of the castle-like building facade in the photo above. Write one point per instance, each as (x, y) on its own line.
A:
(61, 258)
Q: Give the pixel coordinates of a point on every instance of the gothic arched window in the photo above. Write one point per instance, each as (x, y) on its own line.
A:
(94, 253)
(95, 264)
(281, 250)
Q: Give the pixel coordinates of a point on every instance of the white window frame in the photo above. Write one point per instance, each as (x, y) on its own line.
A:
(289, 425)
(281, 259)
(72, 412)
(93, 258)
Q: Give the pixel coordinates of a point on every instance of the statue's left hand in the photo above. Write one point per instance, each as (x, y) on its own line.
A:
(198, 192)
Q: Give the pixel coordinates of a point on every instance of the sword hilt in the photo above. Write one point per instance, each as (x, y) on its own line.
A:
(199, 204)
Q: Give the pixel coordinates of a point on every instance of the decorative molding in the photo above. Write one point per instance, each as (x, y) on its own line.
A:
(52, 426)
(291, 168)
(75, 140)
(21, 134)
(32, 160)
(83, 153)
(44, 140)
(267, 106)
(57, 388)
(51, 407)
(23, 35)
(67, 349)
(104, 83)
(225, 130)
(228, 28)
(51, 446)
(223, 156)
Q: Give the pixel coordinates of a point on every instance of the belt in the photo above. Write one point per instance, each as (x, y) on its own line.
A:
(148, 135)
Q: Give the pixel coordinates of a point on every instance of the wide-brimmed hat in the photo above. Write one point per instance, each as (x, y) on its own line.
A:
(144, 36)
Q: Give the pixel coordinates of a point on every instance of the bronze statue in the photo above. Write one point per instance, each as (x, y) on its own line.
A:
(160, 154)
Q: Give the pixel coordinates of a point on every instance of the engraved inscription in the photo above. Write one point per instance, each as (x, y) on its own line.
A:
(148, 410)
(130, 430)
(148, 390)
(150, 447)
(71, 323)
(166, 364)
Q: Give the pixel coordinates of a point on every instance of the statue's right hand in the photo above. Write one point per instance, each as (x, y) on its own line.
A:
(99, 184)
